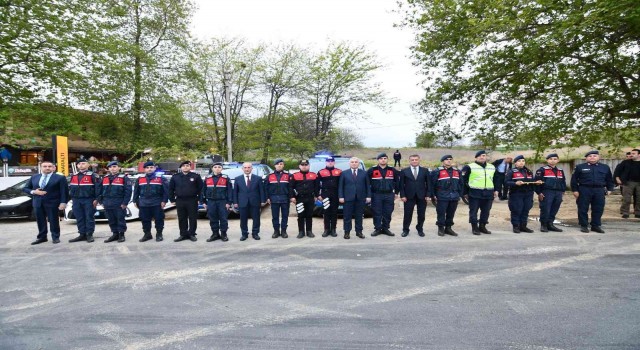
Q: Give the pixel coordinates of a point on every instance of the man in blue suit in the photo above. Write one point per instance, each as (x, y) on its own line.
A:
(248, 197)
(414, 188)
(354, 191)
(50, 193)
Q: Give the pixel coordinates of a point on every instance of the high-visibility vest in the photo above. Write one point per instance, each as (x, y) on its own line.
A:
(481, 178)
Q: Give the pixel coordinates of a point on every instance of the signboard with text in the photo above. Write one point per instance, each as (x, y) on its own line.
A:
(61, 148)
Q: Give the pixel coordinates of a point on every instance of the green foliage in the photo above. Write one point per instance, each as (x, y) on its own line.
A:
(564, 72)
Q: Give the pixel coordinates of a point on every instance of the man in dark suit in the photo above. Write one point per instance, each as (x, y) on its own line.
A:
(502, 165)
(248, 197)
(354, 191)
(414, 188)
(50, 193)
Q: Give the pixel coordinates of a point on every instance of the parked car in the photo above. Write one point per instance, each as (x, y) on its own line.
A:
(261, 170)
(132, 212)
(16, 204)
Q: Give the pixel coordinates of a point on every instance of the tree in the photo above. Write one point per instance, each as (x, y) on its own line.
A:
(444, 137)
(341, 80)
(568, 67)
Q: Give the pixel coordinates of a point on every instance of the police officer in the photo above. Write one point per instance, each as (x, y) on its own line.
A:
(520, 182)
(445, 189)
(303, 191)
(217, 200)
(84, 189)
(478, 189)
(185, 189)
(328, 179)
(385, 184)
(550, 192)
(277, 188)
(150, 195)
(114, 197)
(590, 183)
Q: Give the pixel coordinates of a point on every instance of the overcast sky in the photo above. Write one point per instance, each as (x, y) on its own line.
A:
(314, 23)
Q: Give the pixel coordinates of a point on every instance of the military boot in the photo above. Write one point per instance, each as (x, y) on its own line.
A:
(524, 228)
(90, 237)
(449, 231)
(333, 231)
(300, 234)
(121, 237)
(310, 234)
(543, 227)
(159, 237)
(223, 236)
(114, 237)
(516, 229)
(276, 233)
(441, 231)
(147, 236)
(483, 229)
(78, 239)
(214, 236)
(553, 228)
(284, 234)
(326, 233)
(475, 230)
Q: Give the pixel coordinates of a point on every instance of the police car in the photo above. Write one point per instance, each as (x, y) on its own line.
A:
(132, 212)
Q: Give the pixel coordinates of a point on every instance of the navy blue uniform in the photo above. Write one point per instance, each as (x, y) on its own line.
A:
(520, 197)
(591, 181)
(328, 183)
(446, 186)
(385, 184)
(84, 188)
(553, 186)
(149, 192)
(116, 192)
(277, 188)
(217, 194)
(479, 199)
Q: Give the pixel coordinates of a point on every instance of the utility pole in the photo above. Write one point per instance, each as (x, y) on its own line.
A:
(227, 114)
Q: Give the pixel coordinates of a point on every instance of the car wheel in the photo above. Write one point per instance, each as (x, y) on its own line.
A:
(318, 212)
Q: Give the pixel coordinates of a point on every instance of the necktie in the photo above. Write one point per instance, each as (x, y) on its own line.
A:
(44, 180)
(415, 173)
(355, 174)
(248, 182)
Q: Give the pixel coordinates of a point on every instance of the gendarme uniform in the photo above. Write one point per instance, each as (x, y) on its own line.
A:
(478, 185)
(149, 192)
(116, 193)
(328, 183)
(520, 197)
(277, 187)
(591, 181)
(446, 187)
(553, 186)
(385, 184)
(217, 195)
(84, 189)
(304, 188)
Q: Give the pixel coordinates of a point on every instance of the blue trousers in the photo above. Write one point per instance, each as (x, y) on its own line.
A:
(155, 212)
(217, 213)
(44, 214)
(84, 212)
(549, 206)
(520, 203)
(245, 212)
(594, 197)
(482, 204)
(382, 207)
(353, 209)
(446, 210)
(277, 210)
(116, 216)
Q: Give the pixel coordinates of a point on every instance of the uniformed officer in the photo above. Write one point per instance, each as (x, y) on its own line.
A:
(385, 185)
(114, 197)
(217, 200)
(150, 195)
(550, 192)
(445, 189)
(328, 179)
(303, 191)
(478, 189)
(590, 183)
(277, 188)
(84, 189)
(520, 182)
(185, 189)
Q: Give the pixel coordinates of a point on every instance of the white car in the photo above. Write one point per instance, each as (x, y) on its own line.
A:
(132, 212)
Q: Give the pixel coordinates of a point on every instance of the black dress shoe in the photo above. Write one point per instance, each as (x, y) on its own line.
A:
(223, 237)
(421, 233)
(325, 233)
(334, 233)
(214, 237)
(625, 216)
(449, 231)
(147, 236)
(483, 229)
(404, 233)
(56, 241)
(597, 229)
(300, 234)
(544, 228)
(387, 232)
(255, 236)
(78, 239)
(159, 237)
(524, 228)
(359, 235)
(553, 228)
(244, 238)
(276, 234)
(441, 231)
(180, 238)
(193, 238)
(39, 240)
(284, 234)
(584, 229)
(310, 234)
(375, 233)
(516, 229)
(347, 235)
(90, 238)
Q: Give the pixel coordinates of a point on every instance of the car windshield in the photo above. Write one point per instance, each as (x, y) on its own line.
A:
(233, 173)
(19, 185)
(341, 163)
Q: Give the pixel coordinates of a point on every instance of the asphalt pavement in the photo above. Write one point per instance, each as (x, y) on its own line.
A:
(536, 291)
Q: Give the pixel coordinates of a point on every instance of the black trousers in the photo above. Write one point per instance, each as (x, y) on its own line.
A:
(305, 219)
(409, 205)
(498, 184)
(44, 214)
(331, 213)
(187, 216)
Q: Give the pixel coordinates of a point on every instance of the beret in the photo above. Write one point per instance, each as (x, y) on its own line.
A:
(443, 158)
(278, 160)
(112, 164)
(382, 155)
(592, 152)
(551, 155)
(149, 163)
(479, 153)
(517, 158)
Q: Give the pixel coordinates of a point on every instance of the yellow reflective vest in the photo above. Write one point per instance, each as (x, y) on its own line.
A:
(481, 178)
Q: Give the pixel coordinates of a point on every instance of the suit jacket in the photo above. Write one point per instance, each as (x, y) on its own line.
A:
(351, 189)
(411, 187)
(496, 163)
(57, 190)
(254, 196)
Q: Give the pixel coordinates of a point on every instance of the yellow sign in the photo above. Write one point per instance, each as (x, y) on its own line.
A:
(62, 154)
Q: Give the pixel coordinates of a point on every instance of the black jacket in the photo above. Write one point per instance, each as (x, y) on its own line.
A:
(411, 187)
(185, 186)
